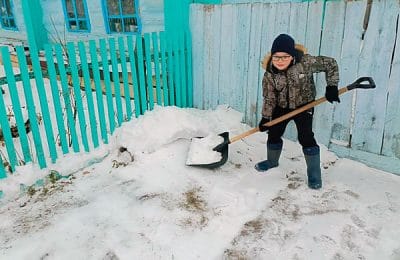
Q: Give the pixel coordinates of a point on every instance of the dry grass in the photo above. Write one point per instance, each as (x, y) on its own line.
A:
(193, 202)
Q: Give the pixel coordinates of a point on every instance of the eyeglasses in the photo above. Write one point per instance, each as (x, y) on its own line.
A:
(282, 58)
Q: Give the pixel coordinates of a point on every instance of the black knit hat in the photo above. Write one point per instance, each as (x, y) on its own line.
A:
(283, 43)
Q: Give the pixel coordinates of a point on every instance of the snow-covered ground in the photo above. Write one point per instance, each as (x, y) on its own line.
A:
(145, 203)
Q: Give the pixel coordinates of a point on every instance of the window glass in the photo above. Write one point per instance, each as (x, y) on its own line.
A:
(121, 16)
(80, 8)
(83, 25)
(7, 16)
(8, 7)
(70, 8)
(113, 7)
(130, 24)
(128, 7)
(76, 15)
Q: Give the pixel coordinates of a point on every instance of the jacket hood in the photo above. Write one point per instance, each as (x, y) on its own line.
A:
(300, 49)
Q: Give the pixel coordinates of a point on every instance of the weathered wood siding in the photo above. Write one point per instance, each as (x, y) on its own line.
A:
(230, 40)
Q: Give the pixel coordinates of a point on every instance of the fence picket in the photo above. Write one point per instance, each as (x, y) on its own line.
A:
(31, 106)
(40, 87)
(183, 79)
(148, 70)
(188, 64)
(331, 45)
(377, 49)
(66, 98)
(2, 171)
(16, 105)
(56, 98)
(140, 66)
(98, 88)
(88, 92)
(5, 126)
(77, 93)
(177, 70)
(164, 68)
(107, 83)
(133, 62)
(116, 83)
(352, 38)
(391, 141)
(127, 93)
(171, 73)
(156, 61)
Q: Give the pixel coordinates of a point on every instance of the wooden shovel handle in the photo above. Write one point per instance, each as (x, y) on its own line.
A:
(286, 116)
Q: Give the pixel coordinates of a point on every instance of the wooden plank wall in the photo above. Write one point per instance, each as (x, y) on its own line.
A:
(230, 40)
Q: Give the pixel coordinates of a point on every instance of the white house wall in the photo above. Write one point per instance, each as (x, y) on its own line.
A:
(151, 13)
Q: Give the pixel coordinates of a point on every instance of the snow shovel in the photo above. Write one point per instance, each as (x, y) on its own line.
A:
(223, 147)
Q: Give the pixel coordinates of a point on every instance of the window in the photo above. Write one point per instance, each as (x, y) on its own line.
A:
(122, 16)
(7, 15)
(76, 15)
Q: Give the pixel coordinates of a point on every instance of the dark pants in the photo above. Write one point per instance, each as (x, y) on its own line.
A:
(303, 123)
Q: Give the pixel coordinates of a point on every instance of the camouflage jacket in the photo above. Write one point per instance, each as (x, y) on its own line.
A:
(295, 86)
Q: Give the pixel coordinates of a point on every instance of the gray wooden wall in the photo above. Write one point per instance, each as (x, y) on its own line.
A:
(230, 40)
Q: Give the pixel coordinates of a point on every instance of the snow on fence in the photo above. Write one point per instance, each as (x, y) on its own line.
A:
(230, 41)
(76, 94)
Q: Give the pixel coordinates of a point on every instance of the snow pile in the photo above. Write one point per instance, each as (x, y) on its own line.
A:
(201, 150)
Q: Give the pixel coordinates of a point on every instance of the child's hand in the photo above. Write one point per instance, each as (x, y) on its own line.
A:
(332, 94)
(263, 121)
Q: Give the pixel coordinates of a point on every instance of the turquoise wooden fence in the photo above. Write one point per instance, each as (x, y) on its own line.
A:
(231, 39)
(76, 96)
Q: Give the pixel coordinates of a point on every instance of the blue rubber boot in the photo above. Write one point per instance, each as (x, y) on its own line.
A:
(273, 154)
(312, 157)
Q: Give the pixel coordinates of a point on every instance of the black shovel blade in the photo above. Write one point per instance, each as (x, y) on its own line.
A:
(221, 148)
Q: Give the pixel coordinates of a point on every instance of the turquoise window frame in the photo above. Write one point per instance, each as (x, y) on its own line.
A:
(7, 20)
(74, 23)
(132, 22)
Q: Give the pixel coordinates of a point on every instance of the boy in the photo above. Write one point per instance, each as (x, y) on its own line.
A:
(288, 84)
